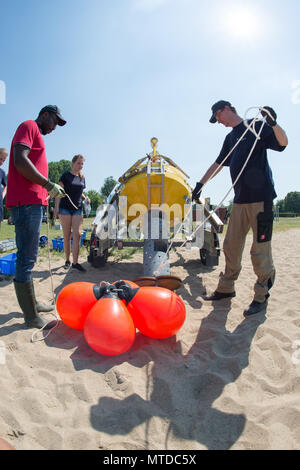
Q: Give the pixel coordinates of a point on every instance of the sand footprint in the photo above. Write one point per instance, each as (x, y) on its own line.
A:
(117, 382)
(81, 392)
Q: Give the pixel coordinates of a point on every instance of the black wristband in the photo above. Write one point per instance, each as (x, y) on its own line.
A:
(48, 185)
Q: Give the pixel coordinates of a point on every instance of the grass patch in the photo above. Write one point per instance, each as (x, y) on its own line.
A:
(286, 223)
(280, 225)
(8, 231)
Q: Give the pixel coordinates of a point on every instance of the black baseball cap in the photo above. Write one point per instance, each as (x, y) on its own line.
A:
(51, 108)
(215, 107)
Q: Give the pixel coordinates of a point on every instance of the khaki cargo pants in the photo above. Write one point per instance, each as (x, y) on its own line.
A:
(242, 217)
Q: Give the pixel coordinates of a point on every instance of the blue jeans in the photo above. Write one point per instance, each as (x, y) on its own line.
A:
(27, 220)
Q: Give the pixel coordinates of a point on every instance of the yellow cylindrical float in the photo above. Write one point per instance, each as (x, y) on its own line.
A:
(158, 182)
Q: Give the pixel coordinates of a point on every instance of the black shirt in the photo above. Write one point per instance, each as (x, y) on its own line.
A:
(73, 186)
(256, 182)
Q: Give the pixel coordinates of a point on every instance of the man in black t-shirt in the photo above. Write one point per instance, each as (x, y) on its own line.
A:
(253, 199)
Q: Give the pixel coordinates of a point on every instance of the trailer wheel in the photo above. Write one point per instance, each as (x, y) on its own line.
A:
(96, 260)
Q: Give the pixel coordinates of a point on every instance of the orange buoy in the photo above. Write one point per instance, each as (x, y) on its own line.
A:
(156, 312)
(75, 301)
(109, 328)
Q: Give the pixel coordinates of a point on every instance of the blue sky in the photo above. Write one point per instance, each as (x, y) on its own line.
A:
(123, 71)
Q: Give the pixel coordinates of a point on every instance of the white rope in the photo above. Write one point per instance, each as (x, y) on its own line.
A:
(55, 314)
(249, 127)
(66, 195)
(71, 201)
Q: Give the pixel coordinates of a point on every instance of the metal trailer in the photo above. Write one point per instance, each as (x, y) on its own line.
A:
(109, 229)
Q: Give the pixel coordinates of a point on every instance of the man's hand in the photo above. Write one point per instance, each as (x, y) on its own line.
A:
(197, 191)
(54, 190)
(270, 120)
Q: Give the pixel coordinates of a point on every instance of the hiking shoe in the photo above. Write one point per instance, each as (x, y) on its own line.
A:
(67, 264)
(219, 295)
(79, 267)
(255, 307)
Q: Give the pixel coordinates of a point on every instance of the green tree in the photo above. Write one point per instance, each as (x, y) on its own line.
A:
(108, 186)
(95, 199)
(56, 169)
(229, 207)
(292, 202)
(281, 205)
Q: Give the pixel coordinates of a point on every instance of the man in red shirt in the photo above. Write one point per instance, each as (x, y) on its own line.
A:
(27, 191)
(3, 182)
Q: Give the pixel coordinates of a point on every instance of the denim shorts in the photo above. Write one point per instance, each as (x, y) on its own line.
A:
(63, 211)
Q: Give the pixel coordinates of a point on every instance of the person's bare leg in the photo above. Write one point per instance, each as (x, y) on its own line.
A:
(66, 222)
(76, 229)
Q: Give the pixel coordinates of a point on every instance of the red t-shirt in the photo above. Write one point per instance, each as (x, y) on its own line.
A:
(19, 189)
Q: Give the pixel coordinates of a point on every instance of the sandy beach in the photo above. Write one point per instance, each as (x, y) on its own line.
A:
(224, 382)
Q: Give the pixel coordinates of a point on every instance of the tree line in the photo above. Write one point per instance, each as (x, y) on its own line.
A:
(290, 205)
(287, 207)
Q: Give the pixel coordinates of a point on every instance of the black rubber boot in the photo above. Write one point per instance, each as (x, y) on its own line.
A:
(39, 306)
(44, 308)
(25, 295)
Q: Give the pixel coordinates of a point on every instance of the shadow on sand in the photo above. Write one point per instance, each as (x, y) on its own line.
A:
(180, 388)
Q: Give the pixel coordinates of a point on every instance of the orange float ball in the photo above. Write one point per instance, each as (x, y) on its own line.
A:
(74, 302)
(109, 328)
(156, 312)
